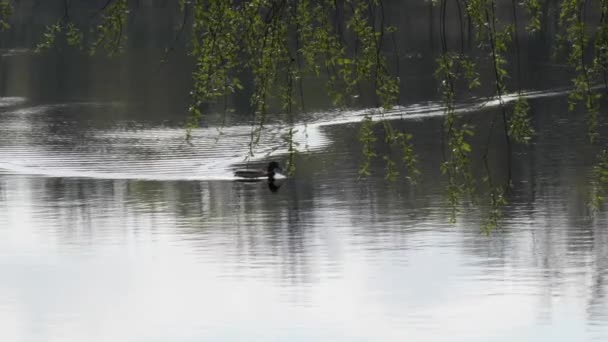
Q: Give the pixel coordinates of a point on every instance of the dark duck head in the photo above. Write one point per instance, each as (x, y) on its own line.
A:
(273, 170)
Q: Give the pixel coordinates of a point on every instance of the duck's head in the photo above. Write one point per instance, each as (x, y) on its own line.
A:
(273, 168)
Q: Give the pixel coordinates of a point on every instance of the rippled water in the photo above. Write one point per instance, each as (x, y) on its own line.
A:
(124, 232)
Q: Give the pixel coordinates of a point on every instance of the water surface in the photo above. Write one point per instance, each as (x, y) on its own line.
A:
(114, 228)
(130, 234)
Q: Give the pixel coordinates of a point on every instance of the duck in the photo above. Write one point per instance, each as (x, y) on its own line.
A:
(273, 171)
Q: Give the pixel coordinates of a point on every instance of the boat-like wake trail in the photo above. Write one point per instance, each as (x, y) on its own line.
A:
(51, 141)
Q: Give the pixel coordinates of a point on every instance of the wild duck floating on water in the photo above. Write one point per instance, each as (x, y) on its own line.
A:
(273, 173)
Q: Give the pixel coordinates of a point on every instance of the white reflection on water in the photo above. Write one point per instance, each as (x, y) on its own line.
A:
(92, 260)
(11, 101)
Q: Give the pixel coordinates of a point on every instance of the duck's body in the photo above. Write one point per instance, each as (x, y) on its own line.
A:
(251, 174)
(272, 171)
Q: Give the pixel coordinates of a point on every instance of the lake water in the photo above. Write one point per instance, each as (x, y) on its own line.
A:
(113, 228)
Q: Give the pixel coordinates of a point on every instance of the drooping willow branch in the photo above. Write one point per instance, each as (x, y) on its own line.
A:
(6, 10)
(456, 166)
(264, 50)
(457, 154)
(179, 32)
(573, 23)
(108, 35)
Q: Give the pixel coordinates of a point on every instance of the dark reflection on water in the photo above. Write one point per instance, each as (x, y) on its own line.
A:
(112, 228)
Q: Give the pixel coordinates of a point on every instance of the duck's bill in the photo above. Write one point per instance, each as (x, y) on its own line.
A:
(279, 176)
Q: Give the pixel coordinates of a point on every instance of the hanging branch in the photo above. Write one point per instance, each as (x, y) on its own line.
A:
(185, 7)
(460, 26)
(457, 159)
(6, 10)
(601, 44)
(572, 20)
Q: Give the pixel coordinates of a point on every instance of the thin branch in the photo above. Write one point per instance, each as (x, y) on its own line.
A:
(178, 35)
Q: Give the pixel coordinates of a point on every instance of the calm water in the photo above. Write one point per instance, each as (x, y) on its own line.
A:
(112, 228)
